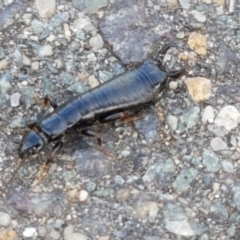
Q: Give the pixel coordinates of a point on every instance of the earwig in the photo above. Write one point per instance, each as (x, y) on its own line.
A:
(104, 103)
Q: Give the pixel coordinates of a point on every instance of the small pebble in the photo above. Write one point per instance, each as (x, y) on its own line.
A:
(228, 117)
(55, 234)
(3, 64)
(51, 38)
(35, 66)
(5, 219)
(199, 16)
(83, 195)
(42, 231)
(45, 51)
(93, 82)
(173, 85)
(15, 99)
(67, 32)
(25, 60)
(217, 144)
(29, 232)
(96, 42)
(208, 114)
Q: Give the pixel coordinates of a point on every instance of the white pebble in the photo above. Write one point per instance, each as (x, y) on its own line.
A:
(208, 115)
(83, 195)
(51, 38)
(5, 219)
(67, 32)
(228, 117)
(96, 42)
(173, 85)
(29, 232)
(45, 51)
(15, 99)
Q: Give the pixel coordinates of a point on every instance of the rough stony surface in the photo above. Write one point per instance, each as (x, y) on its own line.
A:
(172, 168)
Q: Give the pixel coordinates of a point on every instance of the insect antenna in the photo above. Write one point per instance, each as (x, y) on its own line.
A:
(12, 177)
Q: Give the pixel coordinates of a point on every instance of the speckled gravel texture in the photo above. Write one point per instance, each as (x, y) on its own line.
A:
(174, 173)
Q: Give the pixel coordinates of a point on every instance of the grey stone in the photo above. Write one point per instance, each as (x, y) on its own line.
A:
(103, 193)
(70, 235)
(77, 88)
(184, 179)
(228, 117)
(227, 166)
(231, 231)
(161, 170)
(54, 234)
(96, 42)
(36, 27)
(2, 54)
(5, 80)
(80, 34)
(204, 237)
(17, 55)
(90, 6)
(219, 212)
(173, 212)
(58, 19)
(51, 68)
(105, 76)
(185, 4)
(218, 131)
(47, 85)
(190, 118)
(119, 180)
(66, 78)
(45, 8)
(217, 144)
(5, 219)
(59, 223)
(147, 126)
(70, 64)
(136, 42)
(45, 51)
(90, 186)
(211, 161)
(172, 122)
(42, 231)
(181, 228)
(198, 16)
(236, 195)
(17, 123)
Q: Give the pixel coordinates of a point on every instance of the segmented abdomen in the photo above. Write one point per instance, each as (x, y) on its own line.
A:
(124, 91)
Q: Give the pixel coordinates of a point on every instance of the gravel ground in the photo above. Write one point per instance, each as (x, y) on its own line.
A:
(175, 172)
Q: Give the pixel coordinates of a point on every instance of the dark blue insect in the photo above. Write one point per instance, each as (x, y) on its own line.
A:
(104, 103)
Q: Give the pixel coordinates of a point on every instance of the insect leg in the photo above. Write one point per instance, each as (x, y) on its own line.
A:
(47, 100)
(176, 73)
(111, 117)
(120, 115)
(45, 167)
(91, 133)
